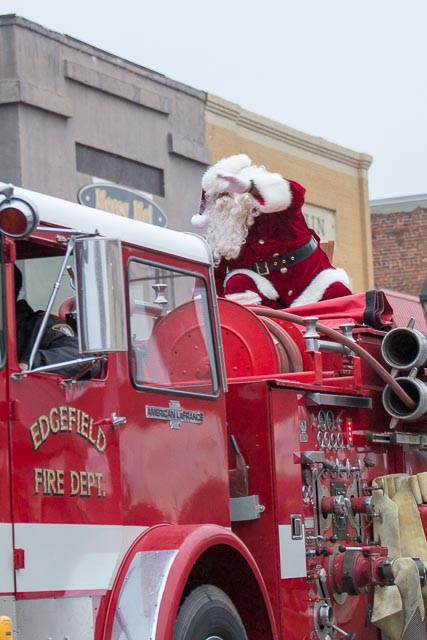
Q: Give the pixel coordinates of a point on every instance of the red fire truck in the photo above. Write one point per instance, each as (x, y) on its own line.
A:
(216, 472)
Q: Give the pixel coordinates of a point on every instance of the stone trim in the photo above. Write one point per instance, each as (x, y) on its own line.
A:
(100, 54)
(188, 149)
(108, 84)
(14, 90)
(230, 115)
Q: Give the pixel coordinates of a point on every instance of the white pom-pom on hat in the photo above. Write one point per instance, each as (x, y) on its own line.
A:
(199, 220)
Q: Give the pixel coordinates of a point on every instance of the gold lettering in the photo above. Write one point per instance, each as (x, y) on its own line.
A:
(38, 479)
(85, 483)
(142, 213)
(49, 481)
(44, 427)
(67, 419)
(101, 441)
(54, 422)
(74, 483)
(98, 477)
(71, 417)
(90, 437)
(35, 435)
(63, 413)
(78, 420)
(84, 425)
(60, 489)
(112, 205)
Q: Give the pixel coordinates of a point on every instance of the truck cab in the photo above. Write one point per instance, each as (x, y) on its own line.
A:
(89, 461)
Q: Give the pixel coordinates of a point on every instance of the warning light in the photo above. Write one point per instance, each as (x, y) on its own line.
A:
(18, 217)
(349, 425)
(5, 628)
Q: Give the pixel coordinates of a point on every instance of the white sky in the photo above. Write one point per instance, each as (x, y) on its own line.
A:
(350, 71)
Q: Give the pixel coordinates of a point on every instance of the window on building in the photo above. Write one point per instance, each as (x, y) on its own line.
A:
(119, 170)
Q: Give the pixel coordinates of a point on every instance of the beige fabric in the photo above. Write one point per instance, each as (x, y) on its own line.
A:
(401, 530)
(387, 611)
(422, 481)
(386, 528)
(412, 537)
(416, 489)
(394, 606)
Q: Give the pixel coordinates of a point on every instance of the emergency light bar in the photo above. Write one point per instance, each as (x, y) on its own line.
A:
(18, 217)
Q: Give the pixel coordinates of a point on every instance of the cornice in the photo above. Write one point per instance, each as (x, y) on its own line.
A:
(233, 116)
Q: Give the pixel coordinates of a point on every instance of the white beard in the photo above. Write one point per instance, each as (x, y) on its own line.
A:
(229, 218)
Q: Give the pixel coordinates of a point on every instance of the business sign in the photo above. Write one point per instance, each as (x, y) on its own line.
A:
(321, 220)
(123, 202)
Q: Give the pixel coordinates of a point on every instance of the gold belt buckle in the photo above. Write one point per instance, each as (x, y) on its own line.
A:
(265, 270)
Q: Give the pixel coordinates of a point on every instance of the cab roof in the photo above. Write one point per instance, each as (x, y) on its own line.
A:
(74, 216)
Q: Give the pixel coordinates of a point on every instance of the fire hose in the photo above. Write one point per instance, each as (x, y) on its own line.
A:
(344, 340)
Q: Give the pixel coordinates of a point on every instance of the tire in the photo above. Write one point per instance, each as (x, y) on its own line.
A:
(207, 613)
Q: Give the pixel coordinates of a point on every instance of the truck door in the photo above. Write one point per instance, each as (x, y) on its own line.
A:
(65, 468)
(174, 438)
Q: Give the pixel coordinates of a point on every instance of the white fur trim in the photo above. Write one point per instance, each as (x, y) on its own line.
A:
(212, 184)
(246, 297)
(199, 220)
(317, 287)
(274, 190)
(265, 286)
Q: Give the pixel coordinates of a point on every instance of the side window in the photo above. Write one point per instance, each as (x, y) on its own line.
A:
(171, 331)
(46, 336)
(39, 274)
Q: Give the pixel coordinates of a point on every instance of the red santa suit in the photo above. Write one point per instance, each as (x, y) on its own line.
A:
(264, 251)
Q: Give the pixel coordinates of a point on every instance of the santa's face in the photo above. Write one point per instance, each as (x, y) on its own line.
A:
(229, 218)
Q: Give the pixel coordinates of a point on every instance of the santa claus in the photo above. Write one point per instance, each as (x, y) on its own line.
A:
(264, 252)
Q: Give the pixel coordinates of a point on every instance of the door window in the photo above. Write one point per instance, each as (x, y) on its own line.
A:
(171, 330)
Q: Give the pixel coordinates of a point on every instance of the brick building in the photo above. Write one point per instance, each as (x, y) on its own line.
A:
(399, 243)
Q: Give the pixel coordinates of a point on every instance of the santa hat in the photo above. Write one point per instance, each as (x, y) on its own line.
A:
(200, 219)
(212, 184)
(273, 191)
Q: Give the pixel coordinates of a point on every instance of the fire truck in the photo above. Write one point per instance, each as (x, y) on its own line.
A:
(213, 471)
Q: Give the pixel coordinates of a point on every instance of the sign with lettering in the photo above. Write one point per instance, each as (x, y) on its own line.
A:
(175, 414)
(65, 421)
(123, 202)
(321, 220)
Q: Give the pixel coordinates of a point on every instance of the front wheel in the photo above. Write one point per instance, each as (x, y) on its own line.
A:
(207, 613)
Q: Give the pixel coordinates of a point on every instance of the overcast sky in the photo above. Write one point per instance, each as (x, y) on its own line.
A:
(351, 71)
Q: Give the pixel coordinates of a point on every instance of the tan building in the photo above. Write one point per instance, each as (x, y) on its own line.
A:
(337, 205)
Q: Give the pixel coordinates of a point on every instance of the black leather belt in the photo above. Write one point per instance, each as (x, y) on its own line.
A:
(288, 260)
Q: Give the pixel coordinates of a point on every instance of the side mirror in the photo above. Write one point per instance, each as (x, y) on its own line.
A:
(100, 297)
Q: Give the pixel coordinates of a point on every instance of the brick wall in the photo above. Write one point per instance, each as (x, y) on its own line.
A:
(399, 244)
